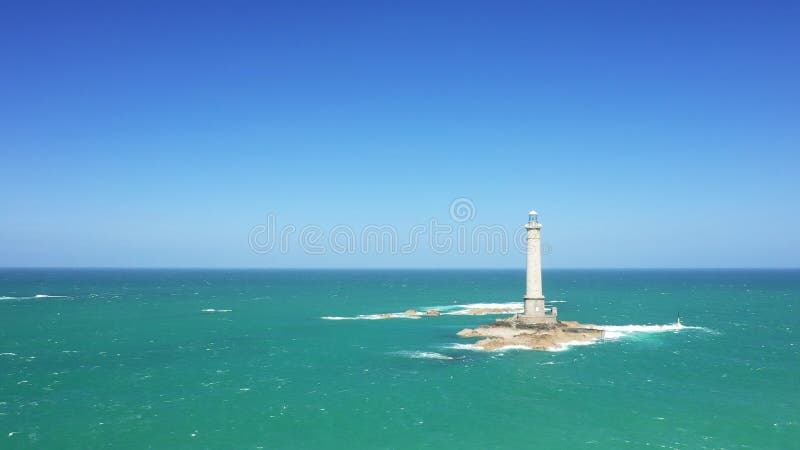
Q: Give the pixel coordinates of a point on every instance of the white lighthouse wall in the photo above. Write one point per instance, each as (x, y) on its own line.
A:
(533, 286)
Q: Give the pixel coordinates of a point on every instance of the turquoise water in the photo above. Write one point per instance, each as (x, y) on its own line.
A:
(127, 359)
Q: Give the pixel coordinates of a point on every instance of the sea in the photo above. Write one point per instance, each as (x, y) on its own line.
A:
(309, 359)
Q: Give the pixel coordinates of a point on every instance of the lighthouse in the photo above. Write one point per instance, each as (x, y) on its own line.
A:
(534, 299)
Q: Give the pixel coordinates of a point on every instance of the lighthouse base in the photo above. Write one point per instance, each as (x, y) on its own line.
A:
(535, 312)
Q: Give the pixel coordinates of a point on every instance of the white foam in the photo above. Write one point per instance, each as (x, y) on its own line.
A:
(619, 331)
(464, 347)
(7, 297)
(612, 332)
(558, 348)
(211, 310)
(508, 305)
(470, 308)
(444, 307)
(424, 355)
(8, 354)
(511, 347)
(377, 316)
(475, 348)
(566, 345)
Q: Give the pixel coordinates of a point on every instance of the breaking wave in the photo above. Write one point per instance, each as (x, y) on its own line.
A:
(212, 310)
(463, 347)
(612, 332)
(511, 347)
(567, 345)
(424, 355)
(617, 331)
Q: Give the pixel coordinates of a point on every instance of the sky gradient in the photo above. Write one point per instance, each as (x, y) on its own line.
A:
(647, 134)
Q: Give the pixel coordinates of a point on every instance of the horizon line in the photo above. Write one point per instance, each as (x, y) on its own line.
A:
(390, 268)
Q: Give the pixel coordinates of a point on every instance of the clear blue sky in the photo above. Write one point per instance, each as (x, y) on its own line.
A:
(646, 133)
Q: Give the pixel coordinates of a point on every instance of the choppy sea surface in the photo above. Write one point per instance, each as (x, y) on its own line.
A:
(251, 359)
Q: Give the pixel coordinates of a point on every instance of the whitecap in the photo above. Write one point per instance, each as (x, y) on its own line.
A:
(212, 310)
(49, 296)
(8, 354)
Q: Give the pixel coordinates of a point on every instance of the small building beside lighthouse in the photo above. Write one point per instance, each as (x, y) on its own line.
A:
(534, 298)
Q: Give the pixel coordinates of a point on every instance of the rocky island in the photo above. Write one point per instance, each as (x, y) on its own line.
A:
(515, 332)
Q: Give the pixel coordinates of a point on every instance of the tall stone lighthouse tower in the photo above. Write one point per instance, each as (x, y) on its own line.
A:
(534, 299)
